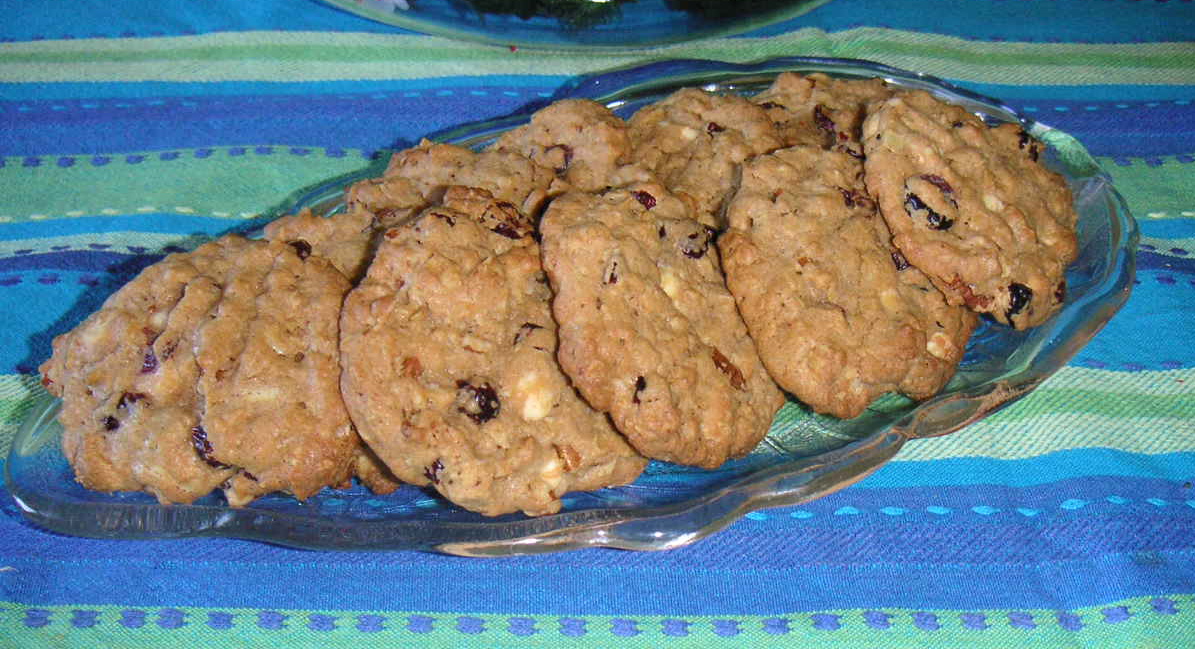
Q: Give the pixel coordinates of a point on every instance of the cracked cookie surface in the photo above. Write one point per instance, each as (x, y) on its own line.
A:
(972, 206)
(213, 368)
(838, 316)
(648, 331)
(693, 141)
(448, 347)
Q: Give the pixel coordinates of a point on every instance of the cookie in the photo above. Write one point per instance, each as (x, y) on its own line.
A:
(820, 110)
(838, 316)
(972, 206)
(345, 239)
(214, 368)
(415, 178)
(431, 168)
(580, 140)
(448, 348)
(648, 331)
(694, 141)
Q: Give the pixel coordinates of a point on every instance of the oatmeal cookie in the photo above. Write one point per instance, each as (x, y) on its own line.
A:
(345, 239)
(972, 206)
(580, 140)
(648, 331)
(214, 368)
(448, 348)
(838, 316)
(694, 141)
(820, 110)
(414, 179)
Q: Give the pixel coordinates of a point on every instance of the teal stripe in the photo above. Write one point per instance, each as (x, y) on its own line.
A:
(15, 91)
(151, 222)
(1053, 467)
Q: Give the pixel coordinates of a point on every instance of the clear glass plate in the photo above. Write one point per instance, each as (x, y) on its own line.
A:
(578, 24)
(804, 456)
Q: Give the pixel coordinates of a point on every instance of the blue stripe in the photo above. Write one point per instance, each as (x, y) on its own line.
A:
(298, 120)
(392, 119)
(1179, 228)
(1068, 557)
(1158, 295)
(1148, 260)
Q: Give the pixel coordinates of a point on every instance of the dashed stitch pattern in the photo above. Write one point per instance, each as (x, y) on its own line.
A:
(659, 630)
(939, 512)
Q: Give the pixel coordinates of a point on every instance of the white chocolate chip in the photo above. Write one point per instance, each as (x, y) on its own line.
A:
(552, 472)
(993, 203)
(669, 282)
(891, 301)
(537, 397)
(939, 345)
(689, 133)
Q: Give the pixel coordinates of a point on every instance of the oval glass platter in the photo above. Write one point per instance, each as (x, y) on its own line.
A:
(579, 25)
(804, 456)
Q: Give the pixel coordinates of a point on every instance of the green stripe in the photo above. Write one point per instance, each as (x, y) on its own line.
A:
(1163, 189)
(220, 185)
(308, 56)
(1049, 401)
(16, 396)
(226, 185)
(1101, 625)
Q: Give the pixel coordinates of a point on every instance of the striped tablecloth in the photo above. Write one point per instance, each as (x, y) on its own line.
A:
(1067, 519)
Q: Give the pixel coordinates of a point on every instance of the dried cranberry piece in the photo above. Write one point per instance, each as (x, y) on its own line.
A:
(204, 448)
(150, 362)
(640, 386)
(249, 475)
(111, 423)
(525, 330)
(447, 218)
(858, 155)
(478, 402)
(714, 127)
(936, 221)
(729, 369)
(645, 199)
(1019, 296)
(507, 230)
(433, 471)
(853, 198)
(958, 124)
(822, 120)
(899, 260)
(302, 248)
(939, 182)
(1060, 292)
(663, 232)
